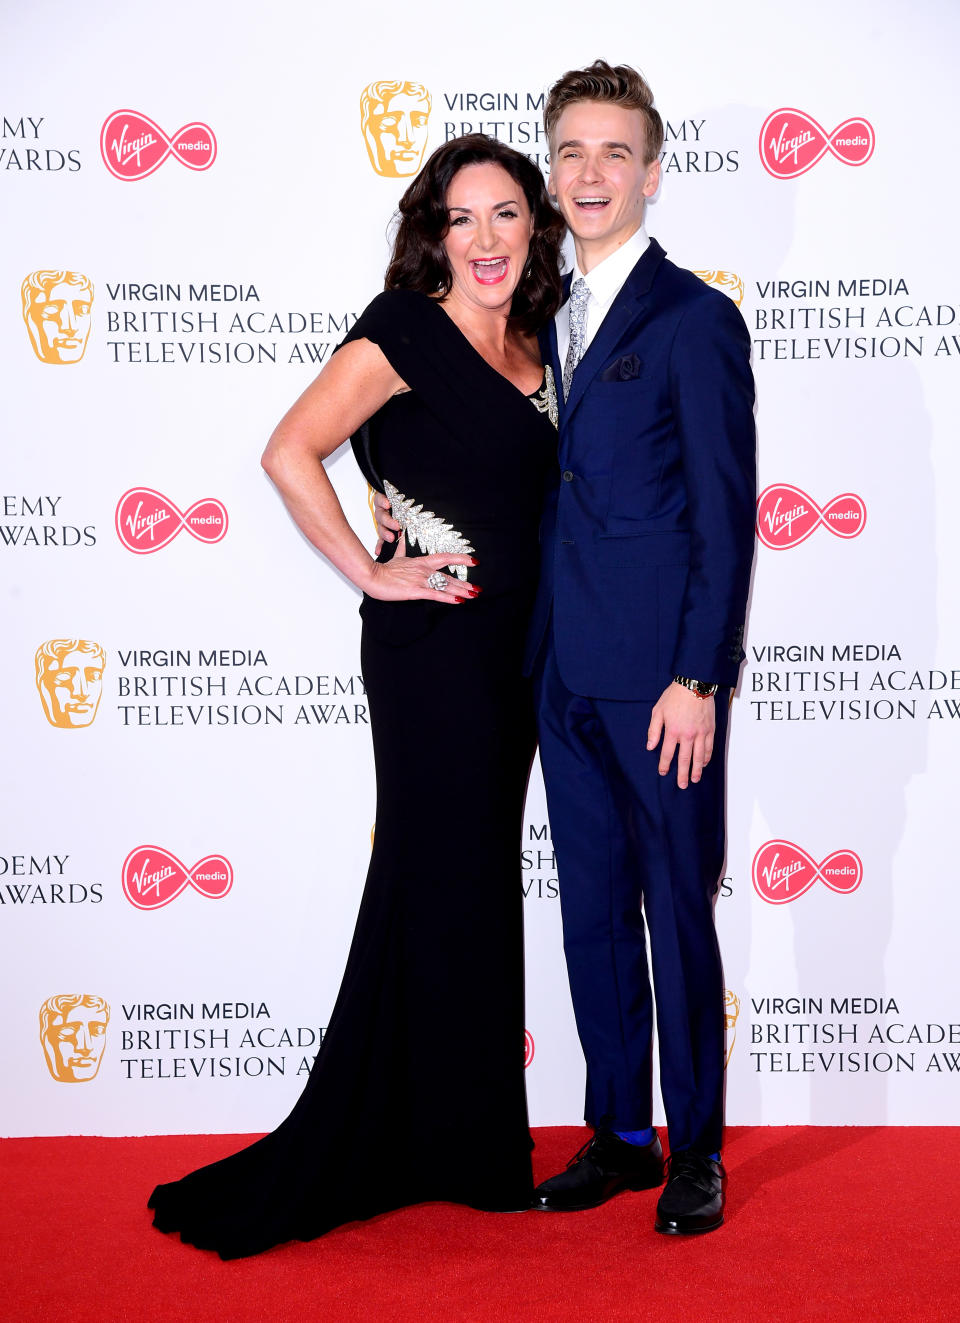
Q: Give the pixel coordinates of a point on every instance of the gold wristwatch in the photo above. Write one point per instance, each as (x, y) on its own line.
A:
(698, 687)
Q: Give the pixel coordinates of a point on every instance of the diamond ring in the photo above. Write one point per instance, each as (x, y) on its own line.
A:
(438, 580)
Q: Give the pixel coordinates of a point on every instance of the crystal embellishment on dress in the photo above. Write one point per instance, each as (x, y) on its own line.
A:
(426, 530)
(546, 398)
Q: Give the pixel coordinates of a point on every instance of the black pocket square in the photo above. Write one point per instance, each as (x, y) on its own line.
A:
(627, 368)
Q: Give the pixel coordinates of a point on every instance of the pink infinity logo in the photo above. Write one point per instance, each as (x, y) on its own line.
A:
(133, 146)
(528, 1048)
(787, 516)
(791, 143)
(783, 871)
(153, 877)
(147, 521)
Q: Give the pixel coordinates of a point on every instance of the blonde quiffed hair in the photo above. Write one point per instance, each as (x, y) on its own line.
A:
(619, 84)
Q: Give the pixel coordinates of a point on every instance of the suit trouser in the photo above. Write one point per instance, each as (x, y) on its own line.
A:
(629, 844)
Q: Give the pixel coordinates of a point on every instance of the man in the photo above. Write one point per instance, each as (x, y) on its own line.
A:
(647, 545)
(394, 119)
(70, 681)
(73, 1030)
(635, 642)
(56, 310)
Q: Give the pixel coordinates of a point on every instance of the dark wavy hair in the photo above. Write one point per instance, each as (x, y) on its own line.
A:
(419, 261)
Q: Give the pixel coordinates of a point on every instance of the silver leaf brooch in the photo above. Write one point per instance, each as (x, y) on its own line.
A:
(427, 530)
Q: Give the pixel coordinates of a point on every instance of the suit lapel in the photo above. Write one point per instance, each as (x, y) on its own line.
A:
(632, 302)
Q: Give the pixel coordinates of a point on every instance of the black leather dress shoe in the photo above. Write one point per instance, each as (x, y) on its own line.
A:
(693, 1200)
(603, 1167)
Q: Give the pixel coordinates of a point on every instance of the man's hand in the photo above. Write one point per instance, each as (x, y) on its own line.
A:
(387, 526)
(687, 724)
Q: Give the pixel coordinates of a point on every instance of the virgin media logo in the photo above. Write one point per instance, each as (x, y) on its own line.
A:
(133, 146)
(153, 877)
(783, 871)
(528, 1048)
(787, 516)
(791, 143)
(147, 521)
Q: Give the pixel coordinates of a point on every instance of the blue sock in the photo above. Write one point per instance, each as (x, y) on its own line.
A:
(635, 1136)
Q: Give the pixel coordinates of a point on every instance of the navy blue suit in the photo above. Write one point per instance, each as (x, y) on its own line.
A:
(646, 550)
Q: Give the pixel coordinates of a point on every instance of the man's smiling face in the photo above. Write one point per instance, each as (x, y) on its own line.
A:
(600, 177)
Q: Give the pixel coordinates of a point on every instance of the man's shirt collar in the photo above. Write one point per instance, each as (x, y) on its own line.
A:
(607, 278)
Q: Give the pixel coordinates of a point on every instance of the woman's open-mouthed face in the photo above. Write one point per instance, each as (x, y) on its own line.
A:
(489, 235)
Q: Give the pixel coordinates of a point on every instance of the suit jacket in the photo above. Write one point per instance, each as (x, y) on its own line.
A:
(648, 531)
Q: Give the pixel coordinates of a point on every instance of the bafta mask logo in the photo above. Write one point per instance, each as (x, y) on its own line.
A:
(728, 282)
(394, 117)
(73, 1031)
(70, 680)
(529, 1049)
(56, 309)
(731, 1014)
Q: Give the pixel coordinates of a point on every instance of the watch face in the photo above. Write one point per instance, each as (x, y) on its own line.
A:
(699, 687)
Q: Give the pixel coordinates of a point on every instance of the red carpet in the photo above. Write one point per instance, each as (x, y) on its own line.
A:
(840, 1224)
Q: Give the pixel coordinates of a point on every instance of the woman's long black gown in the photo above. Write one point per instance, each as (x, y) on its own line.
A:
(417, 1092)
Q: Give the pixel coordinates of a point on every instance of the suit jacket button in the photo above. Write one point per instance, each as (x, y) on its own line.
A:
(567, 475)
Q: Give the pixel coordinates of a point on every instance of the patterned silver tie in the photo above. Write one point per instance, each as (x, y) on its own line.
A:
(579, 295)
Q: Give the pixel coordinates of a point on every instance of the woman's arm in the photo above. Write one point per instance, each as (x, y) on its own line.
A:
(356, 382)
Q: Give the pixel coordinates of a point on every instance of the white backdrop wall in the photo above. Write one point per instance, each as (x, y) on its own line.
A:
(231, 719)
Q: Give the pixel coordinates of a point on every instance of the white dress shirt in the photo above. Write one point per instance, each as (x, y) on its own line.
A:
(604, 282)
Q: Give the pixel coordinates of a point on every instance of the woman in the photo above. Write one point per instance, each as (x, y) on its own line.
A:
(418, 1091)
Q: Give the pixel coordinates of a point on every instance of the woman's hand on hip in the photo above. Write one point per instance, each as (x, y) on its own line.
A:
(405, 578)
